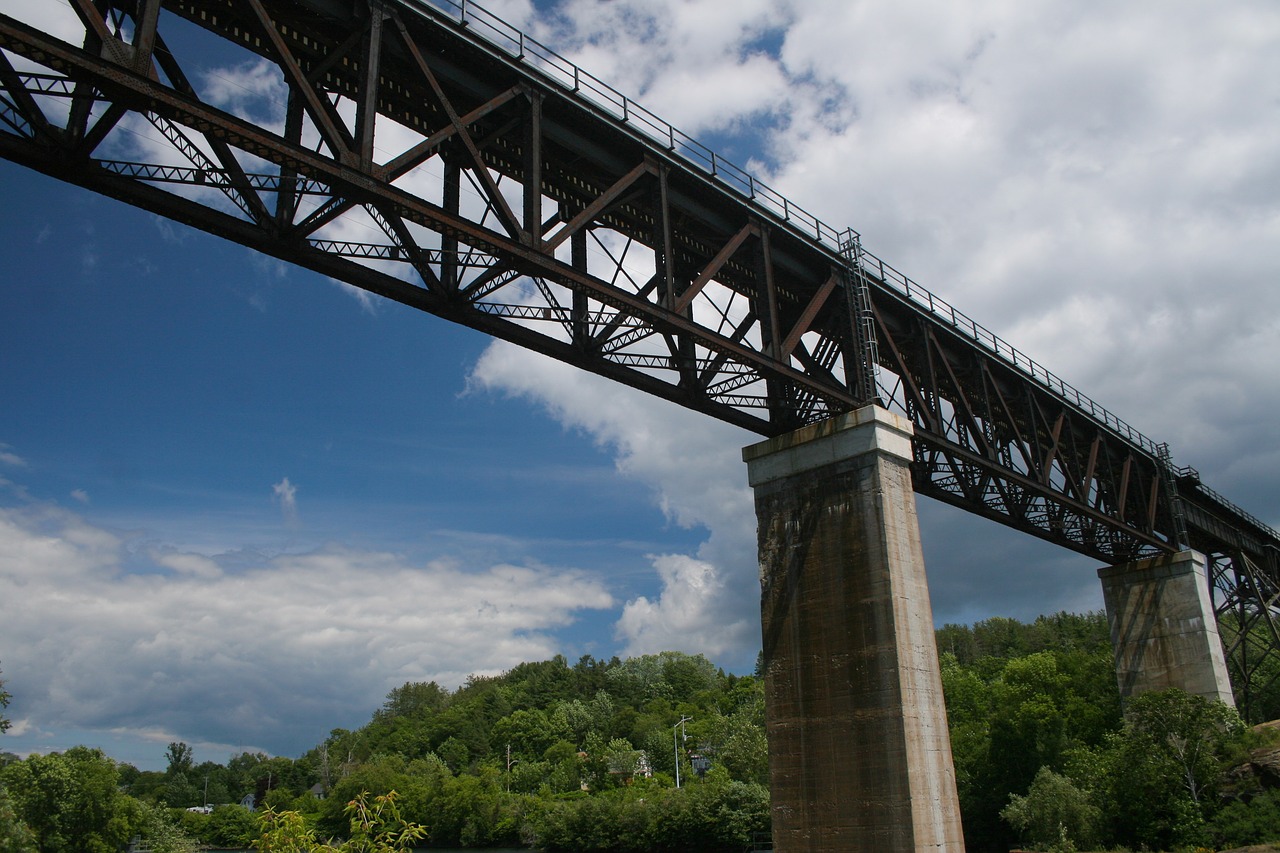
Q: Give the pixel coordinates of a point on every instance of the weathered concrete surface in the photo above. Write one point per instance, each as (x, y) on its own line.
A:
(1163, 628)
(859, 752)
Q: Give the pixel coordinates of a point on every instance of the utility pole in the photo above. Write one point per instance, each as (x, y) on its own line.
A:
(510, 762)
(676, 745)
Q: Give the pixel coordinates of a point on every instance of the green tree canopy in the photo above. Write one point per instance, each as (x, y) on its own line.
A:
(72, 802)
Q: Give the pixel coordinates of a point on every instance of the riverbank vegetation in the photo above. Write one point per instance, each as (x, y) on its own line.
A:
(585, 757)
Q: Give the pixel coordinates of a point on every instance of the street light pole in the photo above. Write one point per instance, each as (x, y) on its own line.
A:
(510, 762)
(676, 746)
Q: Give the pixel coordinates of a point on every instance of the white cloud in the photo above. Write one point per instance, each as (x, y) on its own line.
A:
(287, 496)
(254, 90)
(196, 565)
(367, 301)
(689, 62)
(1099, 188)
(690, 610)
(709, 601)
(276, 652)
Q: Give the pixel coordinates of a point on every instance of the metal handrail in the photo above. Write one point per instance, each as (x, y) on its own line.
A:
(1192, 475)
(560, 70)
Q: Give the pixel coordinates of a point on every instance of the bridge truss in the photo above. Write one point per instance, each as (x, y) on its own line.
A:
(512, 192)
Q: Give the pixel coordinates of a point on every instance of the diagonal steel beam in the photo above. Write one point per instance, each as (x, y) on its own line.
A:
(496, 198)
(591, 211)
(717, 263)
(321, 111)
(808, 314)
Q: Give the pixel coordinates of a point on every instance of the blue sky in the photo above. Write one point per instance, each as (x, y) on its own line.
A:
(239, 502)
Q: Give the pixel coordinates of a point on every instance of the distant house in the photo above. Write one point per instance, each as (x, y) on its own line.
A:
(317, 791)
(630, 765)
(248, 801)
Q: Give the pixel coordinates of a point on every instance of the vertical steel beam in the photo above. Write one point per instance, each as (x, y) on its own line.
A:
(533, 168)
(144, 36)
(287, 198)
(450, 275)
(367, 98)
(664, 254)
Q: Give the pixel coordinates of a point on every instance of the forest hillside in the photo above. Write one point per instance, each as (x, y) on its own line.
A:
(586, 755)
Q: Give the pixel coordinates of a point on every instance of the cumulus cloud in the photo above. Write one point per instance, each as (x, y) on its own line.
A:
(286, 495)
(709, 601)
(276, 652)
(685, 60)
(1097, 188)
(691, 609)
(253, 90)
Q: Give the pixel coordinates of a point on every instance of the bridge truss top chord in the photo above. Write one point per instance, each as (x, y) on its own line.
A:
(517, 194)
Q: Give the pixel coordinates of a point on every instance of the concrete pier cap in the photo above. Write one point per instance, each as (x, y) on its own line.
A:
(859, 752)
(827, 443)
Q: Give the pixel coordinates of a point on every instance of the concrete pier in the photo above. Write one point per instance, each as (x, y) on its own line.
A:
(859, 752)
(1163, 627)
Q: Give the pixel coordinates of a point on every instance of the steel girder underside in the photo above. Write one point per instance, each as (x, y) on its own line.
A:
(512, 192)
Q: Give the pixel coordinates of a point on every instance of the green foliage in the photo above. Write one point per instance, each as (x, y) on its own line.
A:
(230, 826)
(5, 697)
(15, 835)
(71, 801)
(583, 757)
(162, 832)
(714, 814)
(1259, 696)
(1240, 822)
(1021, 697)
(376, 827)
(1167, 761)
(1055, 815)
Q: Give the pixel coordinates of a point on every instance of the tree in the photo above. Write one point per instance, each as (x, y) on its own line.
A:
(1189, 734)
(5, 696)
(414, 699)
(1166, 763)
(180, 759)
(160, 832)
(72, 801)
(1054, 815)
(231, 826)
(375, 828)
(15, 835)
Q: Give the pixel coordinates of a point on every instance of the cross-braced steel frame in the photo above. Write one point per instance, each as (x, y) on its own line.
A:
(431, 154)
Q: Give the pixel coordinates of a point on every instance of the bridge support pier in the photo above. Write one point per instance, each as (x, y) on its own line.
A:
(1163, 628)
(859, 751)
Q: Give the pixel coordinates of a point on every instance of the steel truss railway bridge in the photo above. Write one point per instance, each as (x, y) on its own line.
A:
(525, 198)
